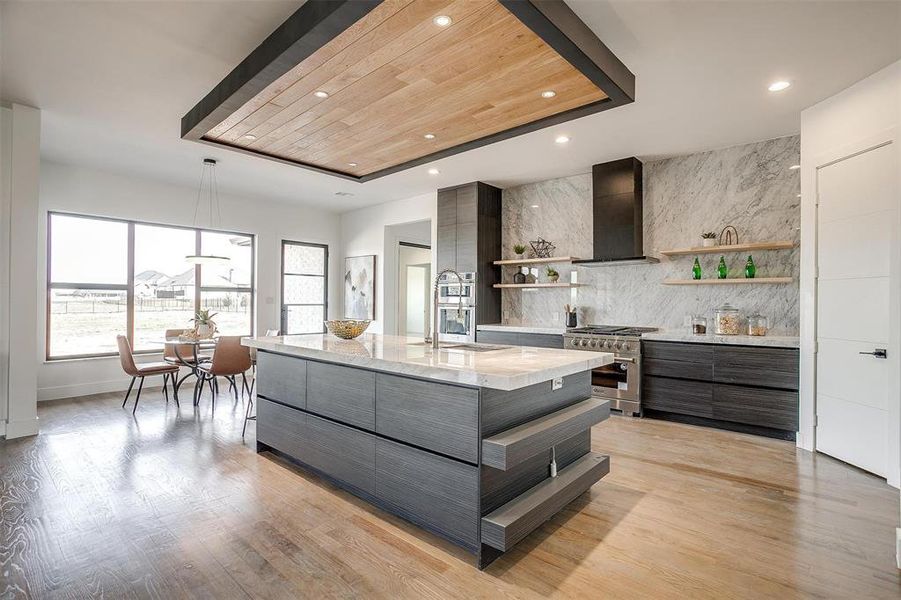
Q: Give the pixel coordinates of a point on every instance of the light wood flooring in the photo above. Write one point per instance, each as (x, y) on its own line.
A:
(173, 504)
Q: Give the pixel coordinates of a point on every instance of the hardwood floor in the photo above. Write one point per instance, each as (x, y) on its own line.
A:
(173, 504)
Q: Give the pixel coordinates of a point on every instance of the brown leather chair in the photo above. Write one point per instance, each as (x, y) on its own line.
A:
(185, 351)
(144, 370)
(229, 360)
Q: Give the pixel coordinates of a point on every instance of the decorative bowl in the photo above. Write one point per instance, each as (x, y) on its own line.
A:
(347, 329)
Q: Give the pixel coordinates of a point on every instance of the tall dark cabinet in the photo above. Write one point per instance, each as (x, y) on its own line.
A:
(469, 240)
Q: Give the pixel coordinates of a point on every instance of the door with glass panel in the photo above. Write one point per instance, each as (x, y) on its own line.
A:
(304, 287)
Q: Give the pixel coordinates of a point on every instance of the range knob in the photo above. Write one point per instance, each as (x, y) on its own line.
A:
(607, 344)
(625, 347)
(583, 342)
(616, 346)
(574, 342)
(592, 343)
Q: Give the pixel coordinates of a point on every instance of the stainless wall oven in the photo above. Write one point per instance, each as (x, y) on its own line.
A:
(457, 308)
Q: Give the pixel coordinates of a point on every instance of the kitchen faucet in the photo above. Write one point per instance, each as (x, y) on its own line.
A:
(434, 339)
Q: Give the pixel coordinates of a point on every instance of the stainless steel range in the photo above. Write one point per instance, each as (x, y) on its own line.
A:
(620, 381)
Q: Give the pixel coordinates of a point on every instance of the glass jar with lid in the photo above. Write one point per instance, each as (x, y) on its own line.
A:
(757, 324)
(699, 325)
(727, 320)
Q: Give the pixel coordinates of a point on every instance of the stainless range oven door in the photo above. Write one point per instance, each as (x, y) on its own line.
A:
(619, 382)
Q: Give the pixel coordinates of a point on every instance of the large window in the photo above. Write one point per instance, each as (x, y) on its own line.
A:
(304, 287)
(109, 277)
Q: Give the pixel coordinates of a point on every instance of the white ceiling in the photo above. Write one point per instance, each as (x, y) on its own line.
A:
(114, 78)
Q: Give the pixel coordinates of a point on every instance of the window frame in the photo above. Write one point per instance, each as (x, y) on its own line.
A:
(129, 286)
(283, 308)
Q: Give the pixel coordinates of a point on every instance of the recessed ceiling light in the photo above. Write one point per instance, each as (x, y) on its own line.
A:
(320, 94)
(534, 206)
(434, 171)
(778, 86)
(442, 20)
(562, 139)
(799, 195)
(429, 136)
(794, 167)
(250, 136)
(351, 164)
(344, 193)
(548, 94)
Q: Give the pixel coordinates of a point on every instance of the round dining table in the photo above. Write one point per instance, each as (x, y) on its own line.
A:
(191, 362)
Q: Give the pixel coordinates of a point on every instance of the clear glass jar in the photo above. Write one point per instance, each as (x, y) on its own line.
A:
(727, 320)
(757, 325)
(699, 325)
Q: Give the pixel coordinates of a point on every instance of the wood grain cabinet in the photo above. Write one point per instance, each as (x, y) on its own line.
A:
(746, 388)
(341, 393)
(469, 241)
(510, 338)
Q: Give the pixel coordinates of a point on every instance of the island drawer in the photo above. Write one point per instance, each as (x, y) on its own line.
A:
(683, 352)
(678, 369)
(282, 378)
(341, 393)
(438, 493)
(281, 427)
(438, 417)
(341, 452)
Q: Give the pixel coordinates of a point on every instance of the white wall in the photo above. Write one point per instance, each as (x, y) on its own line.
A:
(865, 112)
(363, 232)
(21, 133)
(85, 191)
(419, 232)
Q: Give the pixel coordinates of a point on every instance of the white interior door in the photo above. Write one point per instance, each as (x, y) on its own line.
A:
(857, 243)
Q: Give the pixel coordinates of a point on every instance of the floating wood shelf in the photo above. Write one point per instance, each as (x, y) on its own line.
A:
(536, 285)
(778, 245)
(536, 261)
(728, 281)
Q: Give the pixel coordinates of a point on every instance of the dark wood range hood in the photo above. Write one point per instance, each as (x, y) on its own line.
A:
(364, 88)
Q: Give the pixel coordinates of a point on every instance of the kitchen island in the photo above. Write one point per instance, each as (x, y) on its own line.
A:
(461, 441)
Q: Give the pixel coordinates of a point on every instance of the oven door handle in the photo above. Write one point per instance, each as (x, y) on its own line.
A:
(623, 359)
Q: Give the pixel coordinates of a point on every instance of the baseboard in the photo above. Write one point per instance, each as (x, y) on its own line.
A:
(83, 389)
(17, 429)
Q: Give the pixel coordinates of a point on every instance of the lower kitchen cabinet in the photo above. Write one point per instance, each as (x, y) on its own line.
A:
(746, 388)
(511, 338)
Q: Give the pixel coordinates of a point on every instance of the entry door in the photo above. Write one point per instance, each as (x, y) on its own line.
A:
(304, 287)
(857, 204)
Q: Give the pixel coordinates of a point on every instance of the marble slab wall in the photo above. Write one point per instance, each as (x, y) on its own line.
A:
(750, 187)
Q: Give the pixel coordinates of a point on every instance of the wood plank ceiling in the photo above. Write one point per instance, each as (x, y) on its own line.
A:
(396, 87)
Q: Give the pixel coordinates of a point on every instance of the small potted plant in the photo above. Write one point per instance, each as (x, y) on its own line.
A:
(708, 239)
(519, 250)
(552, 274)
(204, 324)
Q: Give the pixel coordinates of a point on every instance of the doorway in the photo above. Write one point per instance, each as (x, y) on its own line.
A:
(857, 310)
(414, 278)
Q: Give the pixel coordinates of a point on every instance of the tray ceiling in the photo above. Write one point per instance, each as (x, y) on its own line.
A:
(363, 89)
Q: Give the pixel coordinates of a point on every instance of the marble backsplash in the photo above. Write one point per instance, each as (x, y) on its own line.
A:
(748, 186)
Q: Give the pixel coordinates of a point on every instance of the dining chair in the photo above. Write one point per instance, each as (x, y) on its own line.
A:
(185, 351)
(253, 381)
(127, 359)
(230, 359)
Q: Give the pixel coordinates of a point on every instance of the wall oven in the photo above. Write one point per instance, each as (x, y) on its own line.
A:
(452, 291)
(456, 323)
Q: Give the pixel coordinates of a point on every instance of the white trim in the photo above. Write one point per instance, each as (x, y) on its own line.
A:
(17, 429)
(82, 389)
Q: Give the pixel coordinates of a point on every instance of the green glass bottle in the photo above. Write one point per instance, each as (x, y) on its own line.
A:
(750, 268)
(696, 269)
(722, 271)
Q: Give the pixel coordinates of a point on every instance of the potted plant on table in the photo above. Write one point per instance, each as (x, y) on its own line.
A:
(204, 324)
(519, 250)
(552, 275)
(708, 239)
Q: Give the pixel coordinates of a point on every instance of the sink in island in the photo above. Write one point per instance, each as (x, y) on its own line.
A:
(461, 441)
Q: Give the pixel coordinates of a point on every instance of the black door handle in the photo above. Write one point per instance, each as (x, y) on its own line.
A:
(878, 353)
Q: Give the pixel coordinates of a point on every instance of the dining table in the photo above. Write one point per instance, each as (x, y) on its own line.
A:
(191, 362)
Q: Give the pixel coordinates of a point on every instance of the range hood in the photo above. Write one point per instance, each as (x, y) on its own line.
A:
(617, 215)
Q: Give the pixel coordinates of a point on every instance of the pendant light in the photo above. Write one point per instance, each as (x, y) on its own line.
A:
(208, 174)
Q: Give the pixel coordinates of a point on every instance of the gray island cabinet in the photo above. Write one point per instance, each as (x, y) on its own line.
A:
(458, 440)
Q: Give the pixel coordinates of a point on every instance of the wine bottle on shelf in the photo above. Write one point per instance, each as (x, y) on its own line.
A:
(696, 269)
(750, 268)
(722, 271)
